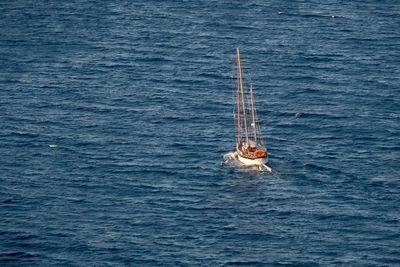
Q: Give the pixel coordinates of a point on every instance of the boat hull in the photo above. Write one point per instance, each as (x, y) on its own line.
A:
(252, 162)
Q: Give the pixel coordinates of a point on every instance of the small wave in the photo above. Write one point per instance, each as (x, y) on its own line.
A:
(242, 263)
(8, 256)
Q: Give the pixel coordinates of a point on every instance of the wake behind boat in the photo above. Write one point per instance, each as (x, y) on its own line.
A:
(250, 146)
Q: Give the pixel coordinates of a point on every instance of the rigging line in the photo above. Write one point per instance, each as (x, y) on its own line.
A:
(232, 76)
(250, 105)
(259, 138)
(260, 134)
(253, 121)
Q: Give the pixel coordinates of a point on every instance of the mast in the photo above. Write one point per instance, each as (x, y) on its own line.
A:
(242, 93)
(239, 127)
(253, 120)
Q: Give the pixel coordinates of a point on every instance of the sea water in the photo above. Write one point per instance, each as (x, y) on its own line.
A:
(115, 117)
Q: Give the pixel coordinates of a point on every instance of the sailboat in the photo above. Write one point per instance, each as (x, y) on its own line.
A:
(250, 147)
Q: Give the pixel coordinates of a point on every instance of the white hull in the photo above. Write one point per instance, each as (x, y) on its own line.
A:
(252, 162)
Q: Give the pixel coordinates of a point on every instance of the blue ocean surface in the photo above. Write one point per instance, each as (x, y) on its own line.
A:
(115, 117)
